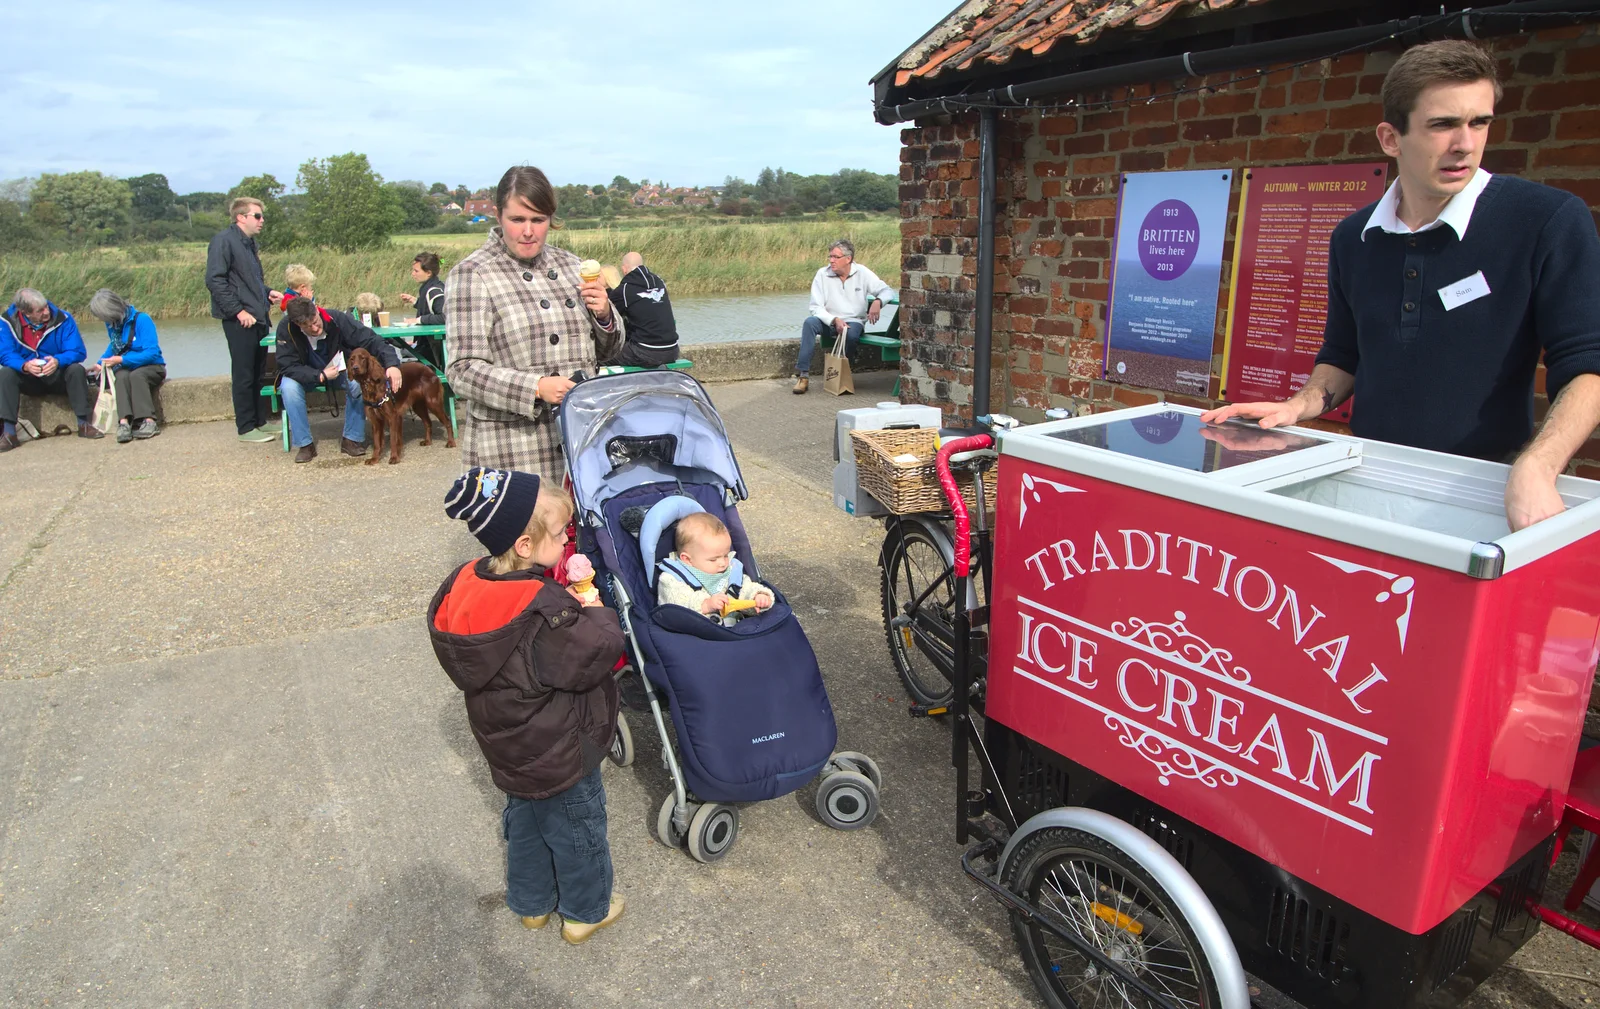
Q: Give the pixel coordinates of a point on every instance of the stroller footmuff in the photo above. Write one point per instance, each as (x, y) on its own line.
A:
(745, 695)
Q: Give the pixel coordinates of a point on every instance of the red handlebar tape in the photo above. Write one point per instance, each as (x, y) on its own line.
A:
(953, 494)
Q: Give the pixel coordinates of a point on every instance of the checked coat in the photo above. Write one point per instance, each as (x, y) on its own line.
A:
(509, 323)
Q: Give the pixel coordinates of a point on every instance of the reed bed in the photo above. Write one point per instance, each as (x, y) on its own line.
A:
(168, 282)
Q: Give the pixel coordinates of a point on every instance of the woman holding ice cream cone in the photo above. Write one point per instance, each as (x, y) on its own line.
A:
(521, 320)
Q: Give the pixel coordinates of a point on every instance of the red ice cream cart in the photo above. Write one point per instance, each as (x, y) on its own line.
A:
(1286, 702)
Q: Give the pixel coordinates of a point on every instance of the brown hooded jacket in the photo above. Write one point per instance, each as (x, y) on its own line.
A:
(536, 670)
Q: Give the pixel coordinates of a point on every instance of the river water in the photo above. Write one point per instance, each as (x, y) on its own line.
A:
(194, 348)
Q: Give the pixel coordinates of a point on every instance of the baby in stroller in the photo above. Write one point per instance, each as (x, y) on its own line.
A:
(705, 575)
(648, 456)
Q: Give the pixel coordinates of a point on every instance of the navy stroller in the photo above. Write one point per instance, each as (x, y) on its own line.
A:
(746, 698)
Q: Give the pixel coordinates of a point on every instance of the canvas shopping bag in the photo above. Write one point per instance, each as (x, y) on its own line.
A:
(836, 370)
(105, 405)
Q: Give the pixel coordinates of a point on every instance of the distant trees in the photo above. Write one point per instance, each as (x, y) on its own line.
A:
(153, 198)
(346, 206)
(204, 202)
(87, 206)
(776, 191)
(417, 211)
(341, 203)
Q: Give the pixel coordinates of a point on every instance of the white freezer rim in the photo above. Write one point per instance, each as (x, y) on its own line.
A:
(1242, 490)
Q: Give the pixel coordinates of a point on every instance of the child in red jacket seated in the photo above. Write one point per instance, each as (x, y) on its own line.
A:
(535, 665)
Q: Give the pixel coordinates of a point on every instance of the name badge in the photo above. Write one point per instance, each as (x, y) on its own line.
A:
(1462, 291)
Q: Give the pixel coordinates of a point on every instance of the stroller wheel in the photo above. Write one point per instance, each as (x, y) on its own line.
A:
(712, 832)
(850, 760)
(847, 800)
(622, 743)
(664, 829)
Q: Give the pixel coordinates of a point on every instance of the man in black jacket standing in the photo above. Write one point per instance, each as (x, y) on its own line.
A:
(241, 299)
(313, 344)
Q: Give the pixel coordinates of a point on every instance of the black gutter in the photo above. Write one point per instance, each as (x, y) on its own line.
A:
(983, 324)
(1469, 24)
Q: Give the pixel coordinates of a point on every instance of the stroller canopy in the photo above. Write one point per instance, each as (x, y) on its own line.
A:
(622, 431)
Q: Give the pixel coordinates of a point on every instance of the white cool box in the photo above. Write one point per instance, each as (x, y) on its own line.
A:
(847, 495)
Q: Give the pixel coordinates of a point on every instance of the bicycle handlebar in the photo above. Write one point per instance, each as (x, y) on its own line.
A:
(952, 493)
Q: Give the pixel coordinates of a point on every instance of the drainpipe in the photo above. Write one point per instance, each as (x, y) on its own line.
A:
(983, 324)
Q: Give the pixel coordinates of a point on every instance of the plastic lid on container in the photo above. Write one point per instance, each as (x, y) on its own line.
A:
(888, 404)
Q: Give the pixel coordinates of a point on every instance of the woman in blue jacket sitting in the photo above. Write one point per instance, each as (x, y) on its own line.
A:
(135, 354)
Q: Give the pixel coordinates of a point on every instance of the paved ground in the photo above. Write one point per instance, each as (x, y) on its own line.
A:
(231, 772)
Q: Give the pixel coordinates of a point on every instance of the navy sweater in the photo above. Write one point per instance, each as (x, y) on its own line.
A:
(1462, 381)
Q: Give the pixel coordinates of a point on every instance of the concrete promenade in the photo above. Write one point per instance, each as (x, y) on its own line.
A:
(232, 773)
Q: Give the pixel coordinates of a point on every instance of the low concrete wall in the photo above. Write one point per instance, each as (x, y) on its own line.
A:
(179, 401)
(190, 400)
(740, 362)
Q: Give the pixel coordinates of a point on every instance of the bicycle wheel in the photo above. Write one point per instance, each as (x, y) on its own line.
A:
(1109, 901)
(913, 564)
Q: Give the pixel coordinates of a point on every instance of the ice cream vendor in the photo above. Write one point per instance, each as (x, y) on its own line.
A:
(1443, 295)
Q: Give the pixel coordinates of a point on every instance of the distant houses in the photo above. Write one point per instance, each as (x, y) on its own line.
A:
(660, 196)
(451, 207)
(479, 207)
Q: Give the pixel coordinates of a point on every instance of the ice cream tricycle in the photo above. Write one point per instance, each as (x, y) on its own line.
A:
(1282, 702)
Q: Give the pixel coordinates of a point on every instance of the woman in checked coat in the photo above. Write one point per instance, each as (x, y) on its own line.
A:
(519, 323)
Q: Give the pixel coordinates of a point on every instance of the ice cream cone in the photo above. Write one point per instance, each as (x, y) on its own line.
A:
(589, 270)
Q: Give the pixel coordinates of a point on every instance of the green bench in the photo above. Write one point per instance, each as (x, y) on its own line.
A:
(681, 364)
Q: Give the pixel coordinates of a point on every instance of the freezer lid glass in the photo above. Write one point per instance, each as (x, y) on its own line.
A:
(1179, 439)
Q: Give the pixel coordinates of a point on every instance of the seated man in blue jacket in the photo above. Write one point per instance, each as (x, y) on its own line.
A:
(312, 345)
(40, 353)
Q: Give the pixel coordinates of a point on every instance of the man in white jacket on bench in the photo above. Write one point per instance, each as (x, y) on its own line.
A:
(845, 297)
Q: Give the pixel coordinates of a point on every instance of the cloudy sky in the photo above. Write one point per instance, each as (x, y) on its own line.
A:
(209, 92)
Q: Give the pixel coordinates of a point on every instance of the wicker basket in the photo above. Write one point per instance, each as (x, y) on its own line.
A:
(908, 487)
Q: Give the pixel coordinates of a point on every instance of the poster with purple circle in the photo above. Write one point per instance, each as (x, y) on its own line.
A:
(1166, 279)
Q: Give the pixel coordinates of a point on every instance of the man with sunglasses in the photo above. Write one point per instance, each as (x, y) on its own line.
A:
(41, 352)
(241, 299)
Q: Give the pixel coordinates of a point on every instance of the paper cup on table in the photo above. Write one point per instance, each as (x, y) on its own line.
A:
(383, 318)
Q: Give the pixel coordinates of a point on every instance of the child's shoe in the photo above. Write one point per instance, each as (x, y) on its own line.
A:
(538, 922)
(576, 932)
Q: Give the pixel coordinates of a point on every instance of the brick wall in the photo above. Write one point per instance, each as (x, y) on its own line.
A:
(1057, 185)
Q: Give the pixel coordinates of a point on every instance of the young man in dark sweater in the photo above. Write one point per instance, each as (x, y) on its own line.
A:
(1443, 295)
(642, 300)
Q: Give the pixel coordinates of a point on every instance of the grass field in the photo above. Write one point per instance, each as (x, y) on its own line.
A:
(734, 258)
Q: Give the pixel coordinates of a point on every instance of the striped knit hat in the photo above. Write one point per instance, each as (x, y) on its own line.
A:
(496, 505)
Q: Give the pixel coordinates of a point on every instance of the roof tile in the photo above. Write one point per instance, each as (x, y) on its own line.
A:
(995, 31)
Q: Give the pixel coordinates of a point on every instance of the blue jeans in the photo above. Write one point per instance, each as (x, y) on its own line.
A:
(557, 856)
(294, 408)
(814, 327)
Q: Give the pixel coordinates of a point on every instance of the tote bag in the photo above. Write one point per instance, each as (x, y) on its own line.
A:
(105, 405)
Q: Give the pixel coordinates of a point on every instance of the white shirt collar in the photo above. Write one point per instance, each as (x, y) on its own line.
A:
(1457, 213)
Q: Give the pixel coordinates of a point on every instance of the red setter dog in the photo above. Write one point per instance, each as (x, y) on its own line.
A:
(419, 391)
